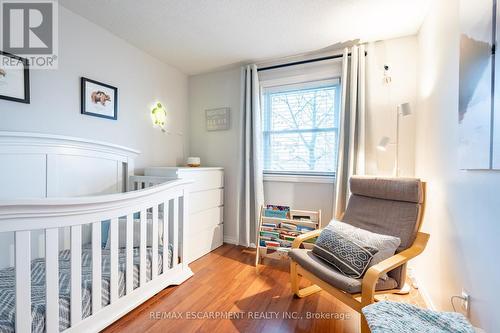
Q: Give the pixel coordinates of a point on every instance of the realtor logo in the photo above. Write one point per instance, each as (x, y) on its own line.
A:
(29, 29)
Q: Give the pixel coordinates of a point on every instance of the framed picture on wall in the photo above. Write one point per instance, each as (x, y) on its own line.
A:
(479, 94)
(99, 99)
(14, 78)
(217, 119)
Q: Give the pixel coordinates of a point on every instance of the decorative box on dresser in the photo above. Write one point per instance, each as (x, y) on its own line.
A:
(205, 232)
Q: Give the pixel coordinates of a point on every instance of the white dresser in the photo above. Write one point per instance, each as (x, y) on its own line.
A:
(206, 206)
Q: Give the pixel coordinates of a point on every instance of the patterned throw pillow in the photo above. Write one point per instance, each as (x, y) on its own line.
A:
(385, 244)
(347, 255)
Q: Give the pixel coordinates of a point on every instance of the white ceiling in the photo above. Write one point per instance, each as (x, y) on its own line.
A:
(202, 35)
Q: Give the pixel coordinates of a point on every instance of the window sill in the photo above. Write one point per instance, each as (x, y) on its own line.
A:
(299, 178)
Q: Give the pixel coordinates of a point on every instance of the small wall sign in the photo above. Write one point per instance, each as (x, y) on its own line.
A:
(218, 119)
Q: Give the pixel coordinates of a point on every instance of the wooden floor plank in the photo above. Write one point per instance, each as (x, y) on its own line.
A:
(225, 281)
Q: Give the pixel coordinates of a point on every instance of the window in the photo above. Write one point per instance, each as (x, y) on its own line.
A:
(300, 128)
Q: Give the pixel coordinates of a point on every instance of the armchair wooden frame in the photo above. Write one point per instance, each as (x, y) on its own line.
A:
(367, 295)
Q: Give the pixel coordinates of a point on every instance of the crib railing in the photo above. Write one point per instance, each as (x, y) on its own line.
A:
(169, 200)
(142, 182)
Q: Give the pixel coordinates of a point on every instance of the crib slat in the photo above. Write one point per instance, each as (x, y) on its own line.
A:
(154, 245)
(96, 267)
(76, 274)
(23, 281)
(129, 275)
(175, 252)
(142, 249)
(52, 278)
(184, 226)
(113, 261)
(166, 219)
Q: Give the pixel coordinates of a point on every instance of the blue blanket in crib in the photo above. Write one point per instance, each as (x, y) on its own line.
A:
(7, 286)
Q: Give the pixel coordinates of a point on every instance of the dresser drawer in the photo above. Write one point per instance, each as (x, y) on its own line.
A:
(205, 219)
(204, 179)
(203, 200)
(204, 241)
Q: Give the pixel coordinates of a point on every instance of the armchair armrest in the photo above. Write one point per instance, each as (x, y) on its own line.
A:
(308, 235)
(373, 273)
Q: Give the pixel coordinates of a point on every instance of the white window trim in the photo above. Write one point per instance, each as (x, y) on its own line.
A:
(290, 178)
(293, 82)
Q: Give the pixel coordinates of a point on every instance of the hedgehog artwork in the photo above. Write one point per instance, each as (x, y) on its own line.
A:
(100, 97)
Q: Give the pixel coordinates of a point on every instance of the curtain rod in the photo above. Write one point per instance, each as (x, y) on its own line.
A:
(304, 62)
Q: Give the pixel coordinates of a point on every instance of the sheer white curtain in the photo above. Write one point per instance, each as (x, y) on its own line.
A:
(251, 187)
(351, 156)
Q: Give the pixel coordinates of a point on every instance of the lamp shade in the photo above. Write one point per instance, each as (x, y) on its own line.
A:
(404, 109)
(384, 142)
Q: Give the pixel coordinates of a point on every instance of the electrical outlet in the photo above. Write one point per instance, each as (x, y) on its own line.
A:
(465, 300)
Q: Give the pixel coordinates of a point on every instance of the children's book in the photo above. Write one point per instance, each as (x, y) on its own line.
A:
(270, 234)
(288, 226)
(281, 212)
(304, 228)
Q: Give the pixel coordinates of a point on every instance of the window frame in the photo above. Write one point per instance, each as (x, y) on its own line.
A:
(289, 85)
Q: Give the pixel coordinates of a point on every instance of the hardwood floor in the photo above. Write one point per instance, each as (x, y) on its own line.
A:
(225, 283)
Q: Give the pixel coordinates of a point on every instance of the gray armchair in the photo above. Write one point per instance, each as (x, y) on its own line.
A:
(389, 206)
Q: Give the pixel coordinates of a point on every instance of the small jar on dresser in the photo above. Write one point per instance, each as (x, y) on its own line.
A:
(206, 208)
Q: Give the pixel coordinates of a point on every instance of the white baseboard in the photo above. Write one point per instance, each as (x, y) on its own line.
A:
(422, 290)
(427, 298)
(230, 240)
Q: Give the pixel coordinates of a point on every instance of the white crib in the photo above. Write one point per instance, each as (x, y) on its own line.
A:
(160, 212)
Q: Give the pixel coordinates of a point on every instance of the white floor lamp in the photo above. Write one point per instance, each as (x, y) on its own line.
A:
(403, 110)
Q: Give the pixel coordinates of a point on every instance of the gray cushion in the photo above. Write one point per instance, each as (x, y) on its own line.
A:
(397, 189)
(388, 206)
(311, 263)
(348, 255)
(386, 245)
(386, 217)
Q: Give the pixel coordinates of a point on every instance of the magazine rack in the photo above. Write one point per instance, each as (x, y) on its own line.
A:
(275, 235)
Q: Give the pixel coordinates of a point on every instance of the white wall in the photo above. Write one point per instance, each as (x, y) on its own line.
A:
(307, 196)
(400, 55)
(221, 89)
(90, 51)
(214, 90)
(462, 206)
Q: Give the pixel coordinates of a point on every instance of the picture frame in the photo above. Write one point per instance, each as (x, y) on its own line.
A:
(99, 99)
(218, 119)
(14, 78)
(479, 86)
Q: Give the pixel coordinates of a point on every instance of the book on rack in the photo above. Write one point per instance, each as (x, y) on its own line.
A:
(276, 211)
(298, 227)
(304, 228)
(288, 238)
(270, 234)
(279, 226)
(286, 233)
(288, 226)
(285, 243)
(271, 243)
